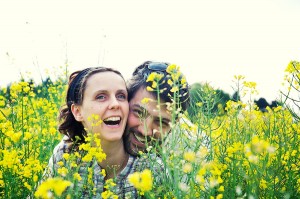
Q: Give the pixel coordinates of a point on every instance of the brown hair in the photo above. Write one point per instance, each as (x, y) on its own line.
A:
(76, 87)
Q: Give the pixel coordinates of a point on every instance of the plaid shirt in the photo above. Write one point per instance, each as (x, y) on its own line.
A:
(123, 188)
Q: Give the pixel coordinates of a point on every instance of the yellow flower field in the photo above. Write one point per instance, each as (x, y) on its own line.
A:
(242, 153)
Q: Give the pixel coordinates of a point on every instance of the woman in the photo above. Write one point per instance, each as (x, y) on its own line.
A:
(102, 92)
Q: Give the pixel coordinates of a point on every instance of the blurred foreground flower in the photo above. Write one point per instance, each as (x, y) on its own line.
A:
(142, 181)
(51, 188)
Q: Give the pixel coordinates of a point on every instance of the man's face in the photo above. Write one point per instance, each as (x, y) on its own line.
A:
(146, 124)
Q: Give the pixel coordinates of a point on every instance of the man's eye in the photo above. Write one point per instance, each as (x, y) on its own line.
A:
(140, 113)
(164, 124)
(137, 112)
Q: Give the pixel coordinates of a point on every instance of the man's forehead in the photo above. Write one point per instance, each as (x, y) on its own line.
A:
(147, 107)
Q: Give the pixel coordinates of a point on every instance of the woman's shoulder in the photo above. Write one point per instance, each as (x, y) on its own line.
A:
(64, 146)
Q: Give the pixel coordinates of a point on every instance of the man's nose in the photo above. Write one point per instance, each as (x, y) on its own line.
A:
(146, 127)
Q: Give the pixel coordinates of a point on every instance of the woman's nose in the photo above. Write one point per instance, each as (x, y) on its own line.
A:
(114, 104)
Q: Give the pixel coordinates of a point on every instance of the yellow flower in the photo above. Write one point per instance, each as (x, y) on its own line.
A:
(200, 179)
(293, 67)
(16, 137)
(2, 101)
(239, 77)
(149, 88)
(90, 176)
(95, 120)
(27, 136)
(60, 163)
(221, 189)
(250, 84)
(93, 117)
(141, 181)
(294, 152)
(183, 81)
(189, 156)
(56, 185)
(108, 195)
(52, 131)
(73, 164)
(35, 178)
(27, 186)
(77, 154)
(151, 77)
(278, 108)
(103, 172)
(263, 184)
(26, 89)
(199, 104)
(154, 77)
(187, 168)
(174, 89)
(154, 84)
(66, 156)
(145, 100)
(109, 184)
(172, 68)
(77, 176)
(62, 171)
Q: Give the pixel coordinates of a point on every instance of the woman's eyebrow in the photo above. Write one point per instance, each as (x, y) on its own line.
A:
(122, 90)
(101, 90)
(107, 90)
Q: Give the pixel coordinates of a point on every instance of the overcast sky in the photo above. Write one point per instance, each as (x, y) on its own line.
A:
(212, 40)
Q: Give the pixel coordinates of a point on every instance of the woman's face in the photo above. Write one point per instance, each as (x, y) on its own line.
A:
(105, 97)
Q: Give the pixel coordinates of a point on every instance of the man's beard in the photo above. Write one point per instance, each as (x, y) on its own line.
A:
(132, 145)
(135, 142)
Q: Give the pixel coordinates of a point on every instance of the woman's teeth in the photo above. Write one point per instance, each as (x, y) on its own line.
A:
(112, 120)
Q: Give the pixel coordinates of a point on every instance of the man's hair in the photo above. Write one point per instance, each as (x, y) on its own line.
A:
(140, 75)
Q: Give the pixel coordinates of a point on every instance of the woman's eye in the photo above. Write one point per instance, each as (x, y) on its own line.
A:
(122, 96)
(100, 97)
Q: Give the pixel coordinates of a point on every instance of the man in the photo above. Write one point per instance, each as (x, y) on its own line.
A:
(157, 94)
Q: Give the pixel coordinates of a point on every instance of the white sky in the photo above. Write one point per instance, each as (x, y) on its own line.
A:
(212, 40)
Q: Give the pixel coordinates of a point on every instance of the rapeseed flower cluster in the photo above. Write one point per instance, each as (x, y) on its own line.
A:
(28, 134)
(92, 149)
(108, 193)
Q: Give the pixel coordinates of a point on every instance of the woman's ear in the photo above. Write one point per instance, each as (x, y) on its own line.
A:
(76, 112)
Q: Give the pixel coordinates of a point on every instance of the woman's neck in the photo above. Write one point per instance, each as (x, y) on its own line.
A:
(116, 158)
